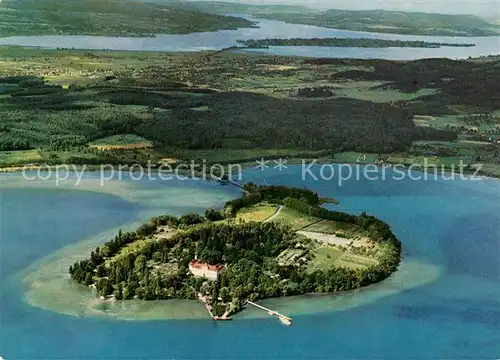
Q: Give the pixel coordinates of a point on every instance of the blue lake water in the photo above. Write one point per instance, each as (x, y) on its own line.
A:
(270, 29)
(453, 225)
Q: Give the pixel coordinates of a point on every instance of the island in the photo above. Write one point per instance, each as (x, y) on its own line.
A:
(273, 241)
(346, 42)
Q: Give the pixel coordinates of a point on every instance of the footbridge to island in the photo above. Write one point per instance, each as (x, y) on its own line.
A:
(232, 182)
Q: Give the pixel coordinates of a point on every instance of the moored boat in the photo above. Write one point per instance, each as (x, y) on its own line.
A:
(285, 321)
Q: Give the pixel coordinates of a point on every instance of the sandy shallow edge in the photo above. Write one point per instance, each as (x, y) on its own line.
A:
(47, 283)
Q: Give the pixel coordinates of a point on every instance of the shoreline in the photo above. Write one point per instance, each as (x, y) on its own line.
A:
(51, 290)
(244, 163)
(95, 273)
(61, 296)
(333, 42)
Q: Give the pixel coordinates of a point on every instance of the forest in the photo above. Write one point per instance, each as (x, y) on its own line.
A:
(222, 7)
(346, 42)
(106, 18)
(159, 268)
(470, 83)
(62, 120)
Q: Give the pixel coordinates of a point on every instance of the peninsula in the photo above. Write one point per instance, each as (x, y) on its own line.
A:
(374, 21)
(106, 18)
(274, 241)
(394, 22)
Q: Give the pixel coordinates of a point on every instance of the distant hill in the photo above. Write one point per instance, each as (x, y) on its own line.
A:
(380, 21)
(106, 17)
(398, 22)
(221, 7)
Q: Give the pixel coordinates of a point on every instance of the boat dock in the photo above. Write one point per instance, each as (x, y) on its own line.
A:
(284, 319)
(205, 300)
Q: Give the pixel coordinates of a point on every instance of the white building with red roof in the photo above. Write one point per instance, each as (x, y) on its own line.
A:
(202, 269)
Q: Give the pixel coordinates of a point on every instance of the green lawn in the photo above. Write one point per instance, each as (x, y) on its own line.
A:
(365, 90)
(457, 120)
(324, 258)
(257, 213)
(460, 144)
(243, 155)
(122, 139)
(354, 261)
(132, 248)
(294, 218)
(262, 82)
(351, 157)
(15, 157)
(66, 156)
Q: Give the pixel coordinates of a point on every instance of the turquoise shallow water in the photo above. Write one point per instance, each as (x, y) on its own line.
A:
(453, 225)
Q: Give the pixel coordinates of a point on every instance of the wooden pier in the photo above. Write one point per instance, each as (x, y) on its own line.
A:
(284, 319)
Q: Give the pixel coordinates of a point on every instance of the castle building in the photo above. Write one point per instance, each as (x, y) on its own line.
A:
(201, 269)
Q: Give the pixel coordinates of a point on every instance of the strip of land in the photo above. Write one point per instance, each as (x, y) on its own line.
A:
(347, 42)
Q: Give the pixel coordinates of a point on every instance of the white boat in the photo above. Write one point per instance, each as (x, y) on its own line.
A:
(285, 321)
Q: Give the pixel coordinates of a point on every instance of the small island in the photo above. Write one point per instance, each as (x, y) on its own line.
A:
(346, 42)
(274, 241)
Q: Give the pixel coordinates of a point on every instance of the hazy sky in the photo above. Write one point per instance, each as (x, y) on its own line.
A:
(490, 8)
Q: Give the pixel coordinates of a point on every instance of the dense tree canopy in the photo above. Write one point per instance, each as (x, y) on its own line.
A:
(247, 251)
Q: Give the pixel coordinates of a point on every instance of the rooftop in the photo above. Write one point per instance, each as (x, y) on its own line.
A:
(202, 265)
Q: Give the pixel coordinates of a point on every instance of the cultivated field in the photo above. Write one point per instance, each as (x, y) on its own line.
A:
(324, 257)
(295, 219)
(121, 142)
(321, 244)
(14, 157)
(255, 213)
(326, 238)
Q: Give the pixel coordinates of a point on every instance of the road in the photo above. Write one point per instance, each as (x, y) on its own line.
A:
(276, 213)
